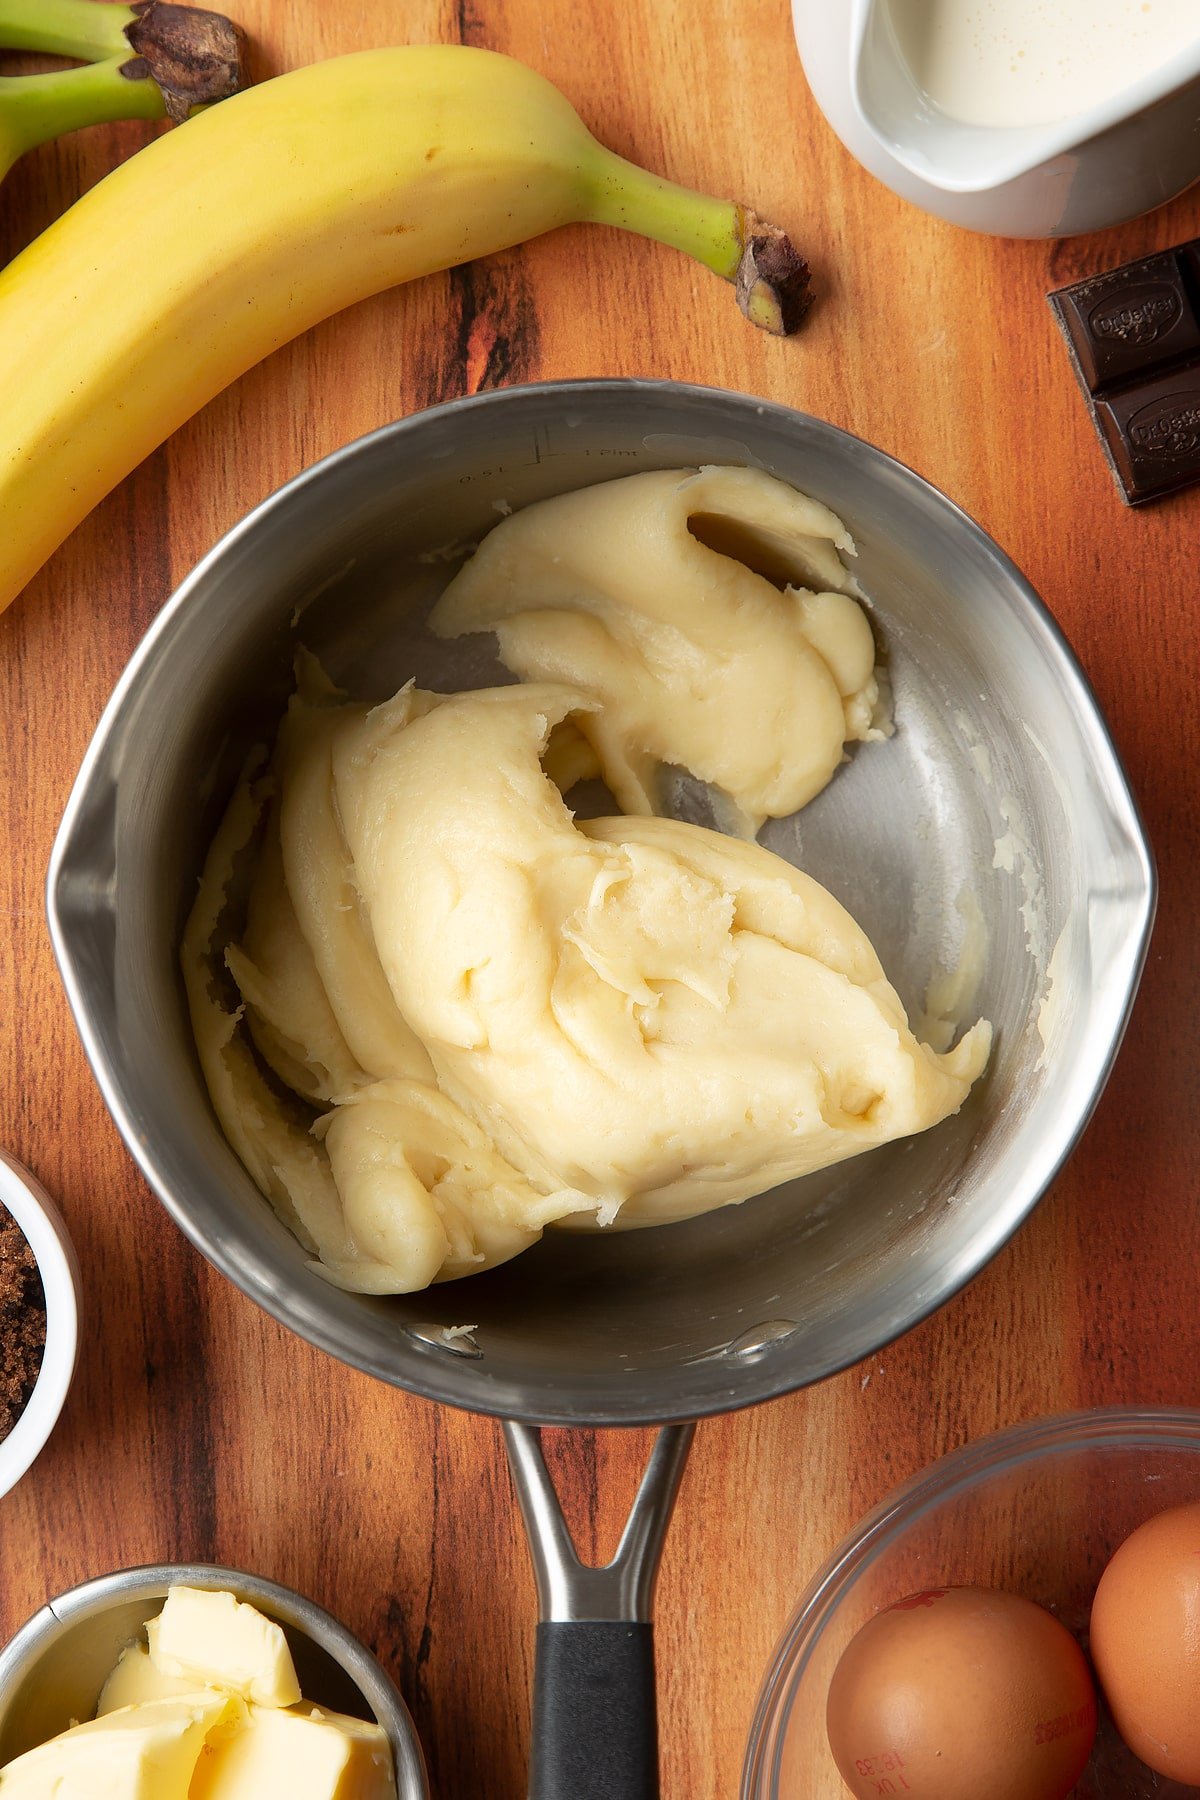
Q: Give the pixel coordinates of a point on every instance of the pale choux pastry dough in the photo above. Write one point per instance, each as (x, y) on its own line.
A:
(634, 592)
(451, 1015)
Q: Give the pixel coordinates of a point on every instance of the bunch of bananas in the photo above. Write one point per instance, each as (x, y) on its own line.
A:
(219, 242)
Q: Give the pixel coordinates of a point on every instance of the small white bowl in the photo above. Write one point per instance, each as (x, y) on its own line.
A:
(46, 1235)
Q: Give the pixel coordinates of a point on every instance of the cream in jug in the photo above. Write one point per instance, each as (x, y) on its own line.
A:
(1034, 62)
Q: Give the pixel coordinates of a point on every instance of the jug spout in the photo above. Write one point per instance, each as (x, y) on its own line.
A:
(946, 152)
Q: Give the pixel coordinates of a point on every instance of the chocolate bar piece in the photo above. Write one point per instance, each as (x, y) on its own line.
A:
(1134, 335)
(1153, 433)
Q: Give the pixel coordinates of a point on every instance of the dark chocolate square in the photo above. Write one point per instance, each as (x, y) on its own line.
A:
(1153, 432)
(1189, 259)
(1134, 334)
(1130, 319)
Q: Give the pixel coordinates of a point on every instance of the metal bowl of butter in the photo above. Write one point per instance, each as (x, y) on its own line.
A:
(991, 842)
(53, 1672)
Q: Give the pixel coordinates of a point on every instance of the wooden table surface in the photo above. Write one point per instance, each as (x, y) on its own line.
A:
(197, 1428)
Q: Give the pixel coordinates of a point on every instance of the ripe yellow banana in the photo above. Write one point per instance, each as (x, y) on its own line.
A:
(225, 239)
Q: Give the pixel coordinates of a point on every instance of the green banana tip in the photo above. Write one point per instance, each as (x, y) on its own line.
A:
(772, 281)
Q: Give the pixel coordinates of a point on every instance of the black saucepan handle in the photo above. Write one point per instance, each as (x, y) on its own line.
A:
(595, 1722)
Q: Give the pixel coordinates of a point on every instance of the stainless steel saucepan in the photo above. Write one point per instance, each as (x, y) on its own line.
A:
(1000, 791)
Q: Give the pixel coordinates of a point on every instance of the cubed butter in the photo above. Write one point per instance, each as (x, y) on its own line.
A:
(307, 1754)
(148, 1752)
(136, 1680)
(214, 1640)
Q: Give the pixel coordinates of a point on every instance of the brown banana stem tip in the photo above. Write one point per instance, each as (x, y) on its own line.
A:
(772, 280)
(195, 57)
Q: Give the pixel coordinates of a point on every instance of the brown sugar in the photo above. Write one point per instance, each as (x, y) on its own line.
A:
(22, 1322)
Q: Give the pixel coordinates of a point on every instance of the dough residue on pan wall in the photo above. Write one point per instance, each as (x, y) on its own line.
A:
(436, 1013)
(1013, 851)
(952, 991)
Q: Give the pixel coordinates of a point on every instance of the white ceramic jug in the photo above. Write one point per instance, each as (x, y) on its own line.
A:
(1131, 152)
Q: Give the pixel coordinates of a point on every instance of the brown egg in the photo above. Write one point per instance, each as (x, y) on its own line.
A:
(1146, 1642)
(962, 1691)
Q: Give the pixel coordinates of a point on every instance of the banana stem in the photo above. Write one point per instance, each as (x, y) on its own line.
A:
(150, 60)
(90, 30)
(770, 275)
(37, 107)
(636, 200)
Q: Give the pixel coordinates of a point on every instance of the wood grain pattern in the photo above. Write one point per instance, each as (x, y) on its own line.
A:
(196, 1427)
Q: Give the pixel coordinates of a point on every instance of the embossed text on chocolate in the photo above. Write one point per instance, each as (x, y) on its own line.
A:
(1136, 318)
(1168, 427)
